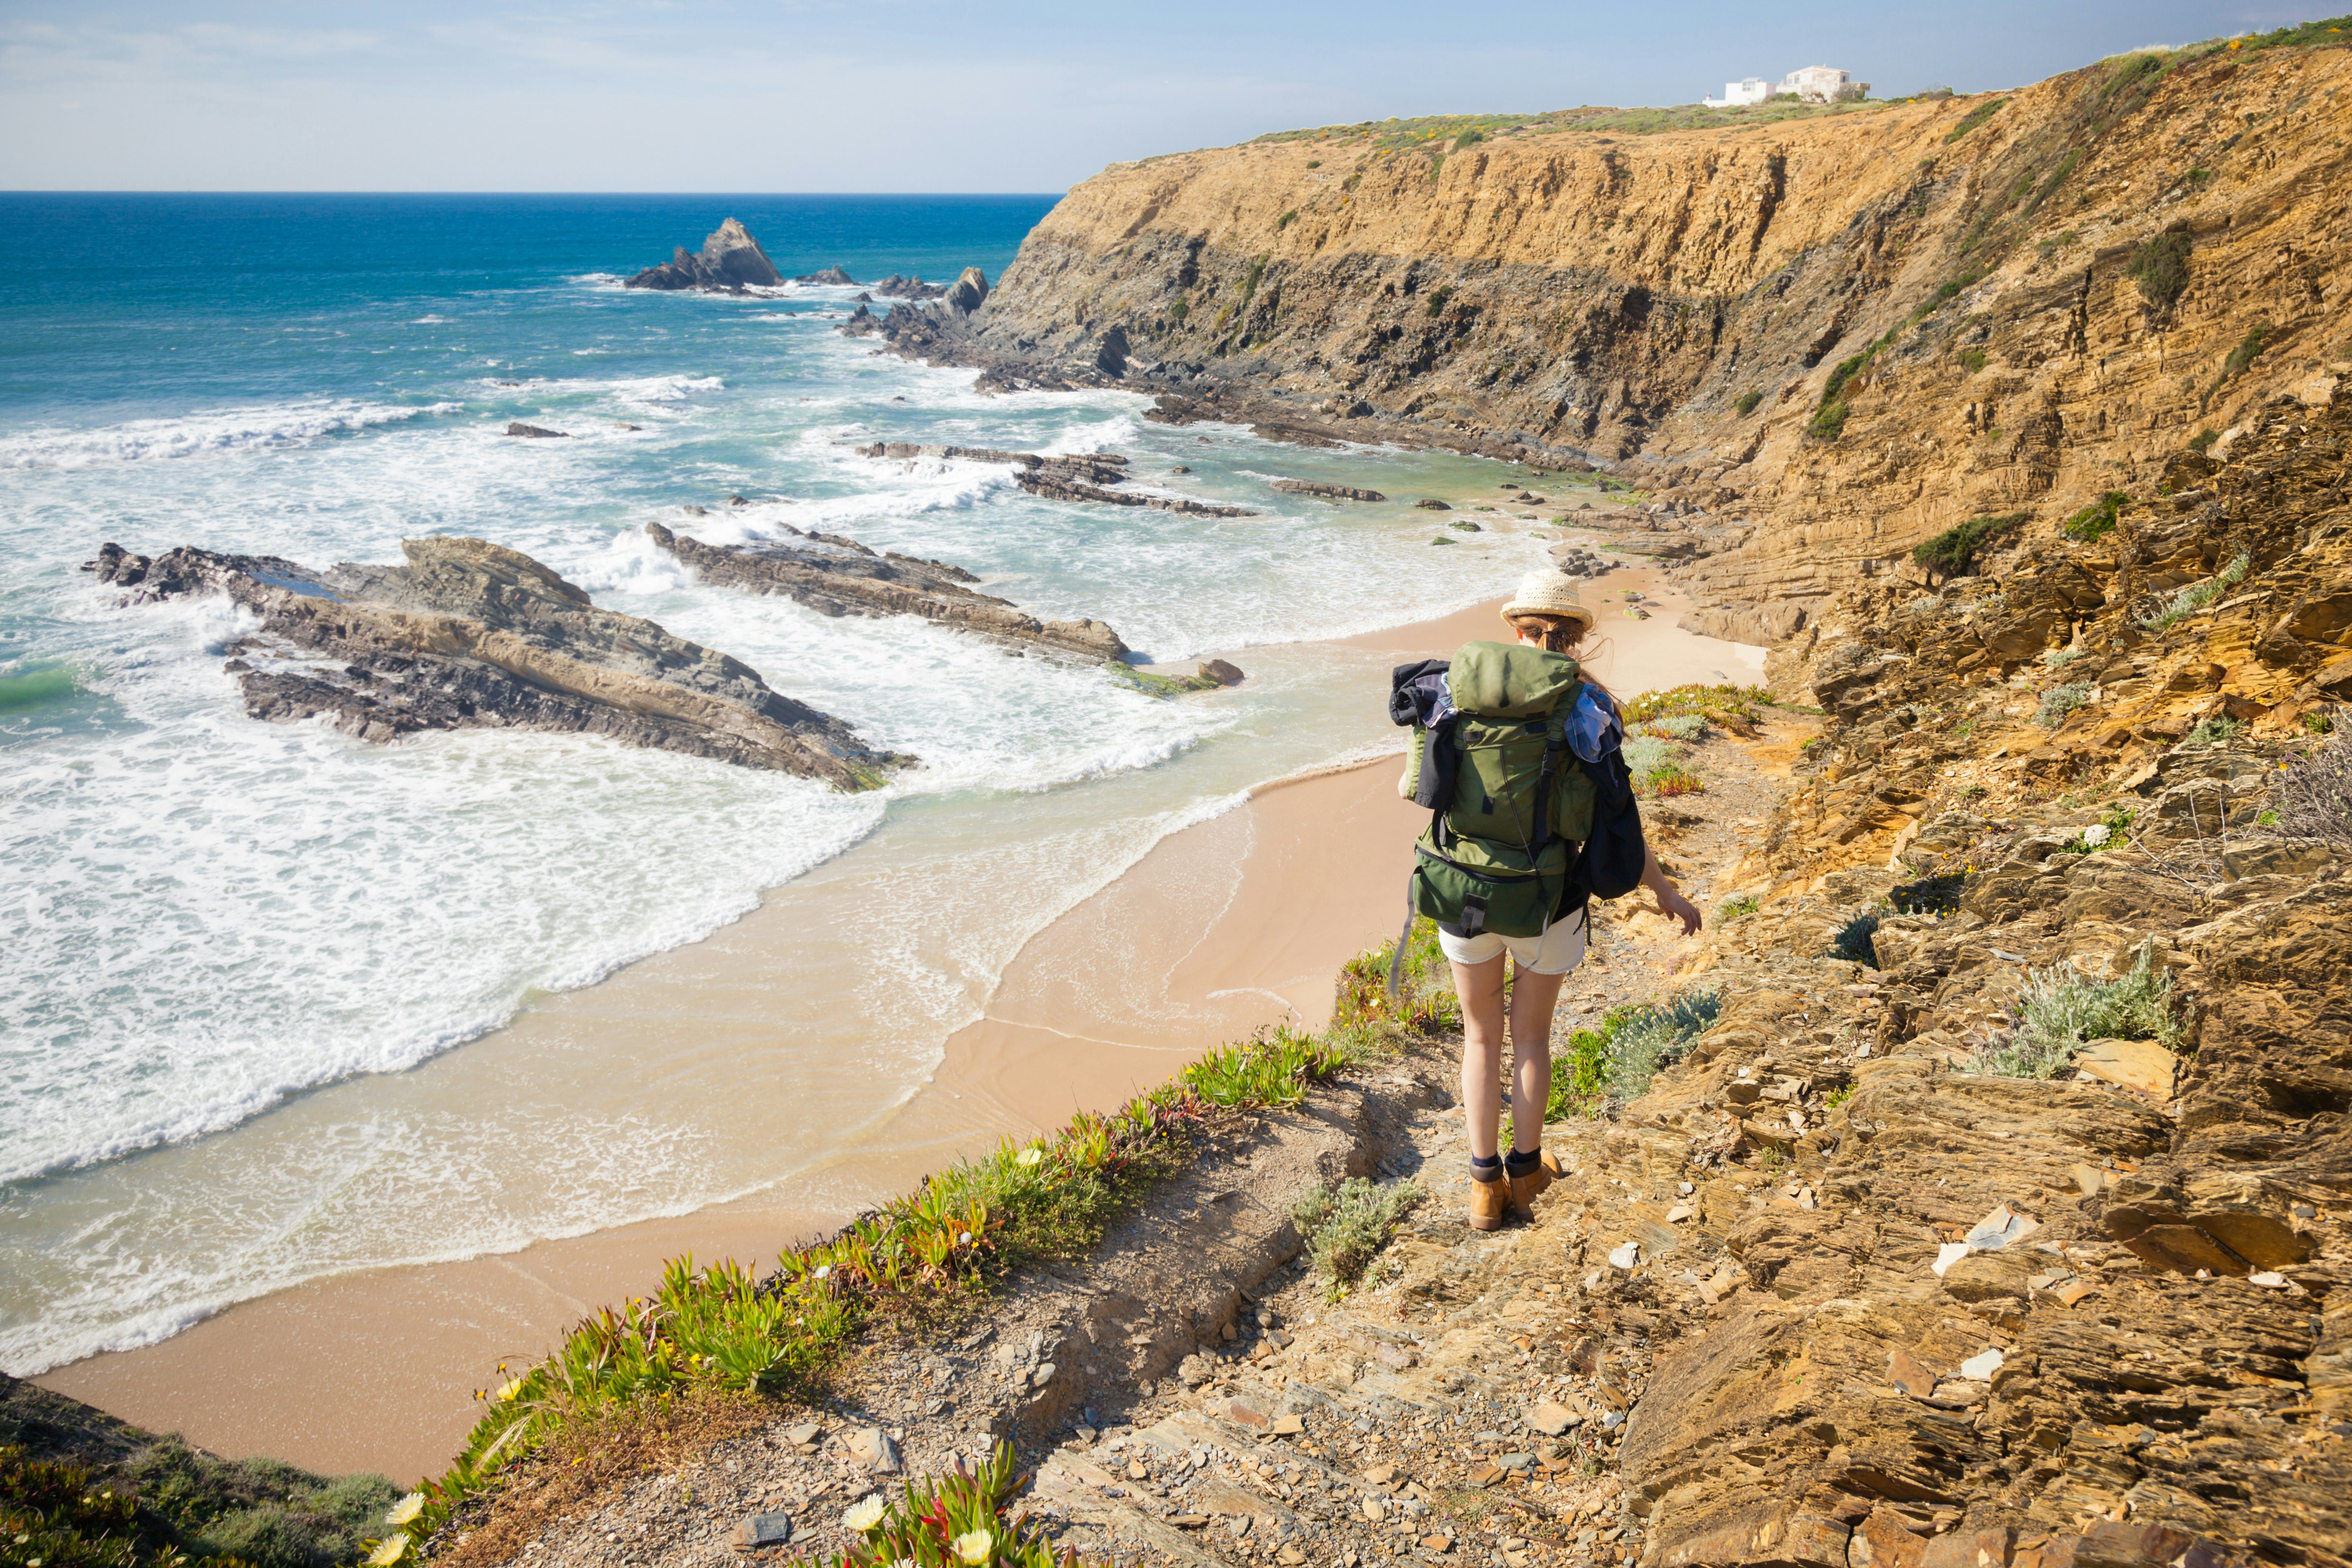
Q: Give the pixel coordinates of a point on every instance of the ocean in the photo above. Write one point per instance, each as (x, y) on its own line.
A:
(240, 963)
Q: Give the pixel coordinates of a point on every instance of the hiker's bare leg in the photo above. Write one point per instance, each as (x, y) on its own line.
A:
(1480, 987)
(1533, 996)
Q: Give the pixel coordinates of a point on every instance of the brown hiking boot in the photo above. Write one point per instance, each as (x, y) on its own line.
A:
(1525, 1188)
(1488, 1200)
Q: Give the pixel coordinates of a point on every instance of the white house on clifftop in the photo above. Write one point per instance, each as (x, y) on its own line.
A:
(1811, 84)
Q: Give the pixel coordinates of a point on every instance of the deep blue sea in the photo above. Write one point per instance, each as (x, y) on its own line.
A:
(204, 919)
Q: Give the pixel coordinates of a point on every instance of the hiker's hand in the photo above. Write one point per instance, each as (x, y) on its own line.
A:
(1677, 907)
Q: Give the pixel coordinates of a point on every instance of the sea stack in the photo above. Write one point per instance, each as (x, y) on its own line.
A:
(729, 262)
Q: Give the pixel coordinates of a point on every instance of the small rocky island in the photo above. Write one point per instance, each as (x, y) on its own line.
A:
(471, 634)
(730, 262)
(839, 576)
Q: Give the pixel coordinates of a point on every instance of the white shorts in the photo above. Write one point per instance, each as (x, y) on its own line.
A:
(1556, 951)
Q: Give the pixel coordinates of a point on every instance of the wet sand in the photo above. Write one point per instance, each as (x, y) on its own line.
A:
(1222, 928)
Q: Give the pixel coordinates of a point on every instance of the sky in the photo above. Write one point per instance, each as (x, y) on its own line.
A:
(907, 95)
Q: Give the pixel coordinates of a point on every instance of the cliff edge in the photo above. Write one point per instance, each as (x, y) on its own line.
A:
(1846, 332)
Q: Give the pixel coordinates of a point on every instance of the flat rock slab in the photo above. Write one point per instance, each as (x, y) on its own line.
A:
(765, 1529)
(2142, 1066)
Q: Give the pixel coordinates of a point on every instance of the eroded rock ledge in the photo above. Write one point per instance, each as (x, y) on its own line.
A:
(730, 262)
(471, 634)
(1080, 478)
(839, 576)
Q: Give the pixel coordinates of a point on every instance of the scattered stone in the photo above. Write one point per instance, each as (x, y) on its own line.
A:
(1427, 504)
(1552, 1418)
(872, 1448)
(831, 277)
(537, 432)
(1626, 1256)
(765, 1529)
(1465, 526)
(805, 1435)
(1287, 1426)
(2140, 1065)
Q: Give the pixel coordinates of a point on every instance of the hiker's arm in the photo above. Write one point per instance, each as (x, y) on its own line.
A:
(1671, 901)
(1405, 779)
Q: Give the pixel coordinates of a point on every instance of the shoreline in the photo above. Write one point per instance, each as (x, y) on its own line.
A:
(1220, 928)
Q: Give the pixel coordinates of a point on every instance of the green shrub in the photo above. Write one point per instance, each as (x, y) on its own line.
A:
(2249, 349)
(2196, 596)
(1975, 359)
(2160, 267)
(2319, 723)
(1287, 219)
(1437, 298)
(1346, 1223)
(2313, 797)
(2097, 520)
(1687, 727)
(2060, 701)
(2204, 441)
(1180, 310)
(2060, 658)
(1618, 1060)
(1469, 138)
(1747, 402)
(1852, 942)
(1737, 907)
(2061, 1008)
(1953, 552)
(2215, 732)
(1733, 708)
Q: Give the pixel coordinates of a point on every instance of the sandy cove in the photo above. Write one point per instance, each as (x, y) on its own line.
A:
(1224, 927)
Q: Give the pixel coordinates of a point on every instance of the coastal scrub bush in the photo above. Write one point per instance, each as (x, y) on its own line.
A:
(1852, 942)
(1953, 552)
(1287, 219)
(1747, 402)
(1732, 708)
(1737, 907)
(1345, 1224)
(2196, 596)
(2061, 1008)
(1437, 298)
(2313, 795)
(2249, 349)
(2097, 520)
(1618, 1060)
(2058, 701)
(2160, 267)
(2216, 731)
(958, 1520)
(1685, 727)
(2060, 658)
(1180, 310)
(1663, 783)
(1975, 360)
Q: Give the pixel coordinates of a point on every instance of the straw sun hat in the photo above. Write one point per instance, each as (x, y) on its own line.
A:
(1548, 592)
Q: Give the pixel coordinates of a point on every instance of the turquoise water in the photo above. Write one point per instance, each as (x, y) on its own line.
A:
(205, 916)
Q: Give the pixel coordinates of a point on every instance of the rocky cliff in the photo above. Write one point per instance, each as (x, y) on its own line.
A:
(1845, 332)
(729, 262)
(470, 635)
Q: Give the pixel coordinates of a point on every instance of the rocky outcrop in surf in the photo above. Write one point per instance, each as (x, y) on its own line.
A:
(1079, 478)
(470, 635)
(729, 262)
(839, 576)
(1325, 493)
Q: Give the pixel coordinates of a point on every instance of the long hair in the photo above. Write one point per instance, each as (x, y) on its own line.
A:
(1560, 633)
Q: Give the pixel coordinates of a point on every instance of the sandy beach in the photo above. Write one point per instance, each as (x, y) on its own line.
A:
(1236, 922)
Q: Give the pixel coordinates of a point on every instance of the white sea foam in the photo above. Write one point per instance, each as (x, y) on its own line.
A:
(194, 435)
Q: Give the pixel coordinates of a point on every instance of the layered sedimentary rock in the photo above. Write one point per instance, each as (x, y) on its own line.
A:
(1676, 305)
(729, 262)
(1961, 1315)
(470, 635)
(1328, 492)
(839, 576)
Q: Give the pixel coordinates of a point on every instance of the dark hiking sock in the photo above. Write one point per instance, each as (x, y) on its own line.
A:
(1490, 1169)
(1520, 1165)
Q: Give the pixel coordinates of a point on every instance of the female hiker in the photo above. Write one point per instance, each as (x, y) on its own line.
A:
(1517, 753)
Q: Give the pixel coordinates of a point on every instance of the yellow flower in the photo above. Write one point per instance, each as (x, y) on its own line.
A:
(1029, 1157)
(864, 1515)
(406, 1508)
(973, 1548)
(506, 1393)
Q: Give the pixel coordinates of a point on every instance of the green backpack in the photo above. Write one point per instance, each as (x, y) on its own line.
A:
(1504, 830)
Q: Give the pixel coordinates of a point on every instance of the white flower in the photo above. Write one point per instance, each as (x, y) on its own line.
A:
(864, 1514)
(406, 1508)
(964, 1240)
(824, 1271)
(1029, 1157)
(390, 1551)
(974, 1547)
(2095, 834)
